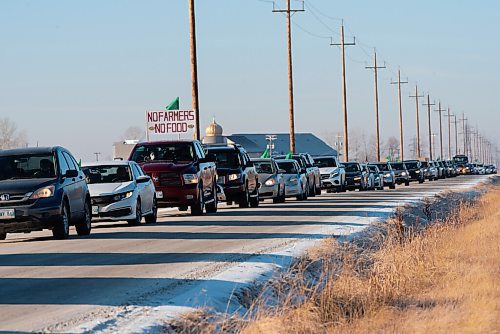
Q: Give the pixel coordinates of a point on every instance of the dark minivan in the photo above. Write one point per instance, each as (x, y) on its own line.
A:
(43, 188)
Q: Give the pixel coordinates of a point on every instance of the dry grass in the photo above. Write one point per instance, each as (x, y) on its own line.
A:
(441, 279)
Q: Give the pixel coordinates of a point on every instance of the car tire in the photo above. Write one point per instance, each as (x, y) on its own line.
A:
(407, 183)
(197, 208)
(138, 214)
(277, 199)
(245, 200)
(312, 190)
(61, 228)
(84, 226)
(283, 196)
(152, 218)
(183, 208)
(254, 200)
(393, 185)
(3, 236)
(212, 206)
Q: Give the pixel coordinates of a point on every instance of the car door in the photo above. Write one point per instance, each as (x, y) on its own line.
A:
(142, 190)
(80, 182)
(68, 184)
(249, 171)
(206, 171)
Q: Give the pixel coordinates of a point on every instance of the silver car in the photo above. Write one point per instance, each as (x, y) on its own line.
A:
(378, 177)
(296, 184)
(271, 180)
(120, 190)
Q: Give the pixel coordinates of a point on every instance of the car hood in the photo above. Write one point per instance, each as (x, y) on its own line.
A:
(166, 167)
(328, 170)
(23, 186)
(101, 189)
(287, 177)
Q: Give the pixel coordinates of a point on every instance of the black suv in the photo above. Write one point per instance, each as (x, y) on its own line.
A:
(355, 176)
(415, 170)
(236, 174)
(43, 188)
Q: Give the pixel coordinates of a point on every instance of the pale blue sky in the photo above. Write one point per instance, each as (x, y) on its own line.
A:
(78, 73)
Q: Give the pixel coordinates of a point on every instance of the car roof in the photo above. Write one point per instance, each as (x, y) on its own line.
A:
(159, 142)
(29, 150)
(261, 159)
(223, 148)
(286, 160)
(106, 163)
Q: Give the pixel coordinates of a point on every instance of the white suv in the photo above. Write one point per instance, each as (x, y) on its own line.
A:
(332, 173)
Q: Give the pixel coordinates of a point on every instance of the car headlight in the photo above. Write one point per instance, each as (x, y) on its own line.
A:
(293, 180)
(417, 171)
(43, 192)
(357, 178)
(234, 177)
(270, 182)
(403, 174)
(122, 196)
(334, 174)
(190, 178)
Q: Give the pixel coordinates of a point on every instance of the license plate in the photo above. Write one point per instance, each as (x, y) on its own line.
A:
(159, 194)
(7, 214)
(95, 210)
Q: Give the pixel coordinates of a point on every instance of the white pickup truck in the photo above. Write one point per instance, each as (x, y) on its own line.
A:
(332, 173)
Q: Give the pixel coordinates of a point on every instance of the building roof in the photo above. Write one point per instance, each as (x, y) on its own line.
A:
(304, 143)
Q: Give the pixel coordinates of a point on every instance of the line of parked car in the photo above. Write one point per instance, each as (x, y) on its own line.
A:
(45, 188)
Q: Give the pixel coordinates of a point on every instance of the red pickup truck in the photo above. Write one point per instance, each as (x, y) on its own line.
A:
(182, 174)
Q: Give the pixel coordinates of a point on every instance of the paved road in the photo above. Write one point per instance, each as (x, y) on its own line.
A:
(123, 277)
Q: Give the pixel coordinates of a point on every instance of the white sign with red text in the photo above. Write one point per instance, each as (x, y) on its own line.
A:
(170, 122)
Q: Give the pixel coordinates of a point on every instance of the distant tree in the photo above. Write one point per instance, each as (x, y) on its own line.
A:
(391, 149)
(133, 133)
(10, 137)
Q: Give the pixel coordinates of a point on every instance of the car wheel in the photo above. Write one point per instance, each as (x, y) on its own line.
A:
(421, 181)
(277, 199)
(3, 236)
(245, 201)
(254, 200)
(138, 215)
(212, 206)
(153, 216)
(61, 228)
(407, 183)
(84, 226)
(283, 195)
(318, 190)
(197, 208)
(393, 185)
(312, 190)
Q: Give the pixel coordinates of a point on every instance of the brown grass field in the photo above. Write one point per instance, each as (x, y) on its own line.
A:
(441, 279)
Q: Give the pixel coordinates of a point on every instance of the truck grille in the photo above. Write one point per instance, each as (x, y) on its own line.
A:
(169, 179)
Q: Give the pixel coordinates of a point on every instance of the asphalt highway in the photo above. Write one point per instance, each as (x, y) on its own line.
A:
(118, 274)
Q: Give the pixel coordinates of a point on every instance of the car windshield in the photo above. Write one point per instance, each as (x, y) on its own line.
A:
(182, 152)
(425, 164)
(352, 167)
(288, 166)
(226, 158)
(263, 167)
(398, 166)
(383, 167)
(107, 174)
(411, 165)
(40, 166)
(325, 162)
(461, 159)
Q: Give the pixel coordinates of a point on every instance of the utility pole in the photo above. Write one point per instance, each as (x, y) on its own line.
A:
(416, 96)
(194, 67)
(429, 104)
(342, 45)
(464, 132)
(289, 12)
(455, 122)
(439, 110)
(400, 108)
(449, 115)
(377, 124)
(97, 154)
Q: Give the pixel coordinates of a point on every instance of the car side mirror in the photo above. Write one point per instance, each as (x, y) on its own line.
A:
(70, 173)
(143, 179)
